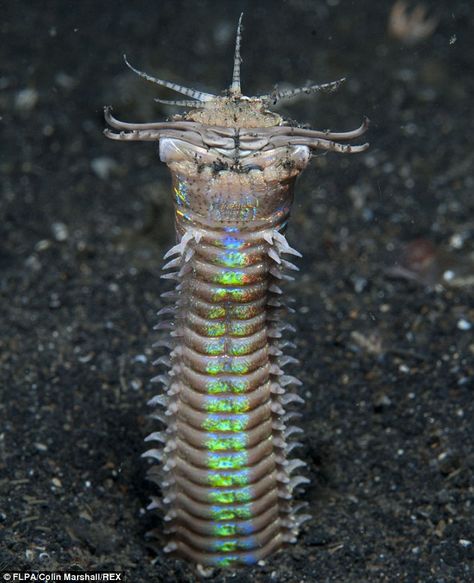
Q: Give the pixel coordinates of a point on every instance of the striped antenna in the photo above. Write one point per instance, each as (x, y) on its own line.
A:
(235, 87)
(193, 93)
(289, 93)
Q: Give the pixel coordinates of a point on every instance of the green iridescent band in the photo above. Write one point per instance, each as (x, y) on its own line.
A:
(228, 461)
(228, 478)
(234, 423)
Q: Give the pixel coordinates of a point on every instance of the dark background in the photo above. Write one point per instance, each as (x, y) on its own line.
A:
(387, 361)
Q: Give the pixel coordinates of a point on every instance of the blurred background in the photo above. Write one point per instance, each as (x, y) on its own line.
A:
(384, 298)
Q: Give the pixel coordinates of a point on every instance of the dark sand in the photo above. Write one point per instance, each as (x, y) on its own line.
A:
(85, 222)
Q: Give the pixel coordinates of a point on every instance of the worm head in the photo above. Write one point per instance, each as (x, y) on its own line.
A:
(227, 121)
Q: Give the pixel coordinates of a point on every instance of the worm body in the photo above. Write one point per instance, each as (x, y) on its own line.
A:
(225, 468)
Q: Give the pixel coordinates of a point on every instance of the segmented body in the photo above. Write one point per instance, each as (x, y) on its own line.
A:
(225, 468)
(227, 472)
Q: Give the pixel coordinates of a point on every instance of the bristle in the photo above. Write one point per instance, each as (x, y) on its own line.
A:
(288, 398)
(156, 454)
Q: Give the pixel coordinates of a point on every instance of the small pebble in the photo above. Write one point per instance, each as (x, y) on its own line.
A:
(464, 324)
(381, 402)
(41, 446)
(26, 99)
(54, 301)
(360, 284)
(33, 263)
(103, 167)
(60, 231)
(136, 384)
(85, 515)
(456, 241)
(64, 80)
(43, 245)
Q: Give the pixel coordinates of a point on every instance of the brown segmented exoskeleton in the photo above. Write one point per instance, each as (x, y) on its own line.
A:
(225, 469)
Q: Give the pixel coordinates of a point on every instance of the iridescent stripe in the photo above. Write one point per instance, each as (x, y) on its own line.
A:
(227, 461)
(215, 348)
(217, 441)
(229, 546)
(228, 478)
(238, 512)
(227, 386)
(231, 294)
(232, 259)
(233, 560)
(225, 423)
(241, 349)
(228, 365)
(231, 278)
(216, 329)
(233, 496)
(237, 404)
(230, 242)
(240, 328)
(234, 528)
(216, 312)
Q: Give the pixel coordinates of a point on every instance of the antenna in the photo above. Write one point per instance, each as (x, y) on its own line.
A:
(235, 87)
(193, 93)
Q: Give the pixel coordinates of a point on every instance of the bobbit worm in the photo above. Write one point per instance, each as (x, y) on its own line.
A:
(224, 451)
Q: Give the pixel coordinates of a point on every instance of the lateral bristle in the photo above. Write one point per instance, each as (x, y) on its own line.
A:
(156, 454)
